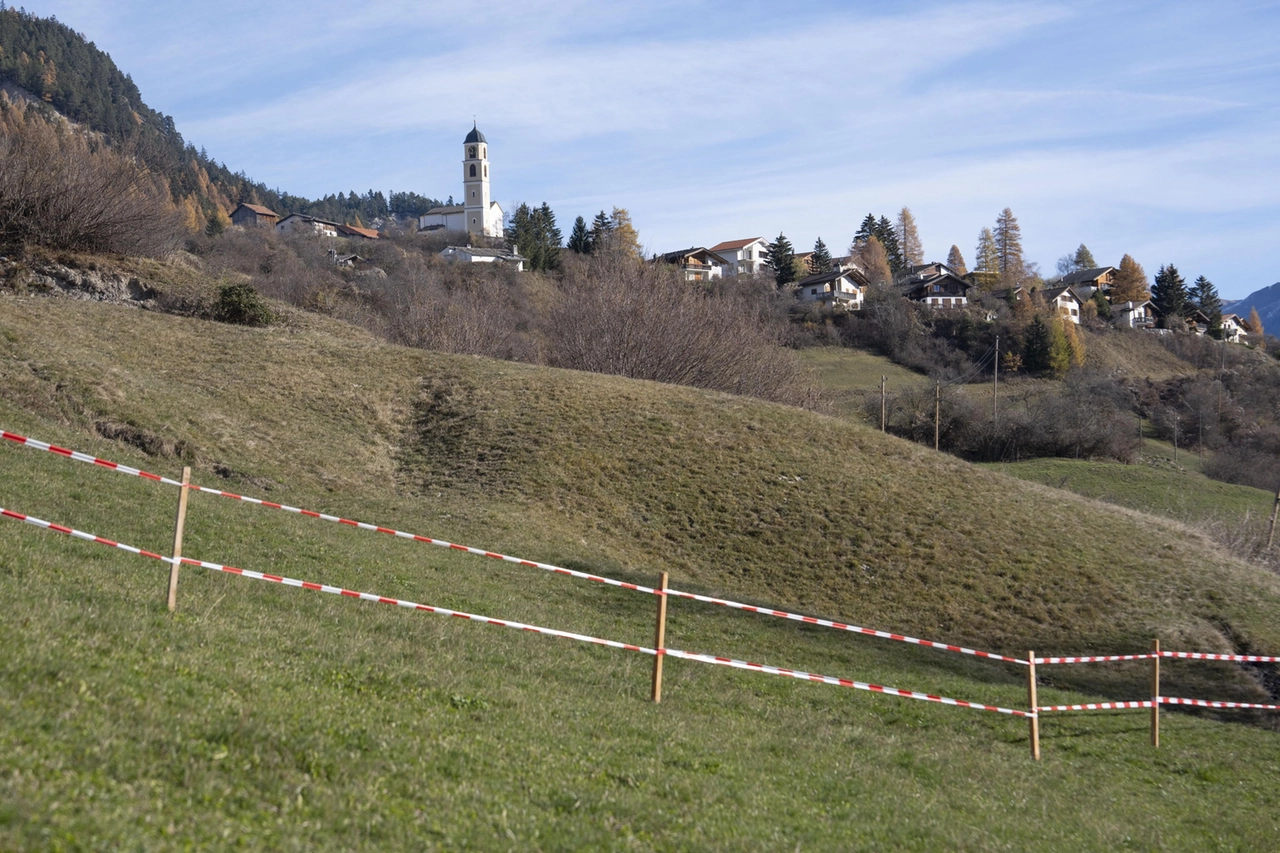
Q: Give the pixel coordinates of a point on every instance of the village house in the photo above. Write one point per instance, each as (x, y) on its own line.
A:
(836, 289)
(297, 223)
(253, 216)
(745, 257)
(697, 264)
(1135, 315)
(1065, 302)
(1085, 282)
(937, 286)
(1234, 328)
(472, 255)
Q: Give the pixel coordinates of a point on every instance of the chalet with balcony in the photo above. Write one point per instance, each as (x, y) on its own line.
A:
(697, 264)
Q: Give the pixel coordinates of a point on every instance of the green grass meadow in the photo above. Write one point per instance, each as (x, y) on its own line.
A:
(266, 717)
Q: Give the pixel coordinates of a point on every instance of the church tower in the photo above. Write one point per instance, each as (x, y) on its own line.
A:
(483, 216)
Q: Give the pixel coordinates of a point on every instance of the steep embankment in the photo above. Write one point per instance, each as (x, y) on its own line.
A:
(727, 493)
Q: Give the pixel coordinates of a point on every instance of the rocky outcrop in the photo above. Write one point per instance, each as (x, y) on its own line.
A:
(93, 282)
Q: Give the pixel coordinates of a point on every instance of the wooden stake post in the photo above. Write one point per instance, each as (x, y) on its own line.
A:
(660, 639)
(1155, 695)
(1031, 700)
(177, 538)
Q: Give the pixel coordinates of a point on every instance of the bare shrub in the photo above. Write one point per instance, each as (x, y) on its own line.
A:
(457, 309)
(614, 315)
(64, 190)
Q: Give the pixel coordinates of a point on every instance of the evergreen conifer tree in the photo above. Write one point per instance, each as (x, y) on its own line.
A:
(1103, 306)
(601, 233)
(579, 239)
(955, 261)
(820, 261)
(1036, 350)
(866, 230)
(1169, 295)
(548, 236)
(889, 239)
(1205, 296)
(781, 256)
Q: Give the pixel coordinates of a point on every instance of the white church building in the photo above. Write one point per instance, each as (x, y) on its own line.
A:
(477, 214)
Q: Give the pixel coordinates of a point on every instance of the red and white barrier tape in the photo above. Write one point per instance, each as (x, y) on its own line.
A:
(1162, 700)
(840, 626)
(1097, 658)
(809, 620)
(1097, 706)
(550, 632)
(1237, 658)
(84, 457)
(840, 682)
(1202, 703)
(335, 590)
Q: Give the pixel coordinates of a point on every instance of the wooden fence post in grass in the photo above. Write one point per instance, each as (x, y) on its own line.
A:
(1155, 694)
(883, 380)
(177, 538)
(1034, 720)
(1275, 508)
(660, 638)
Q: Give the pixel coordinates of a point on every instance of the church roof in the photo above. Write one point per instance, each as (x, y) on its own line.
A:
(448, 208)
(475, 135)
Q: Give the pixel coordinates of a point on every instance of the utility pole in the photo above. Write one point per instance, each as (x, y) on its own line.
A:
(937, 412)
(883, 380)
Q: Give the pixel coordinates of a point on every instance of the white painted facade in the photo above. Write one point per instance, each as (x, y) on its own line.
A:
(745, 257)
(831, 288)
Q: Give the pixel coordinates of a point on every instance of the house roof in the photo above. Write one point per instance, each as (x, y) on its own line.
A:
(824, 277)
(367, 233)
(1053, 293)
(257, 208)
(448, 208)
(1083, 276)
(475, 135)
(735, 244)
(673, 257)
(306, 218)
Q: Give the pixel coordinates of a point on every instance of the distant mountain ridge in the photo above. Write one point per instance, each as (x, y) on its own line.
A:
(1266, 300)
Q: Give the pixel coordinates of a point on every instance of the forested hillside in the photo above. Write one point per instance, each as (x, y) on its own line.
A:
(66, 71)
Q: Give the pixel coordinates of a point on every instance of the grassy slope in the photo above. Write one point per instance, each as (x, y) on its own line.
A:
(846, 376)
(288, 718)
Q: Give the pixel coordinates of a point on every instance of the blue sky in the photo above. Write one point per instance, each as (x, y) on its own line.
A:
(1140, 127)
